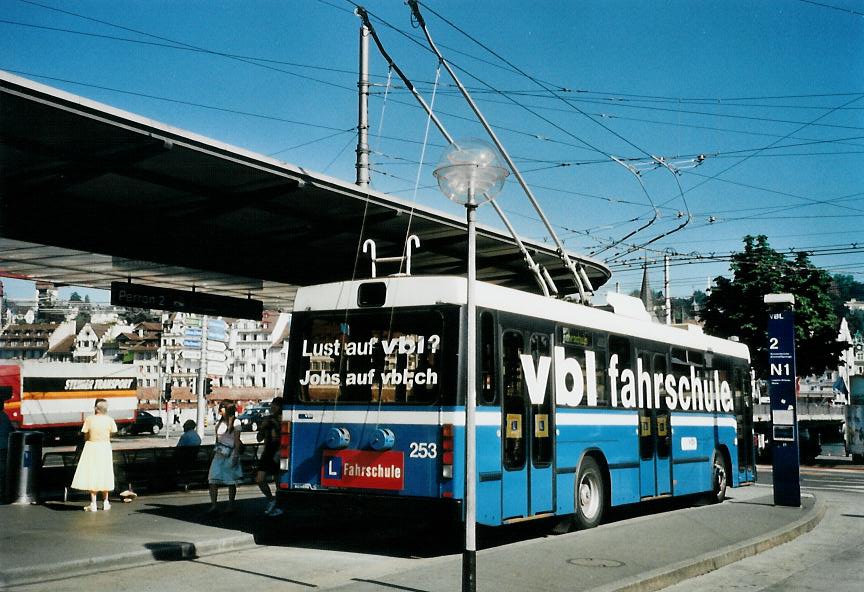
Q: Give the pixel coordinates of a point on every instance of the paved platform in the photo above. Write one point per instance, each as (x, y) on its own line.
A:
(56, 540)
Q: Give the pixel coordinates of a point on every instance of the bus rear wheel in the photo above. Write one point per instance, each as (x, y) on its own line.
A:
(719, 478)
(590, 494)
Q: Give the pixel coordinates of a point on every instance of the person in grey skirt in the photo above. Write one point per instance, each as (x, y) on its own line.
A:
(225, 467)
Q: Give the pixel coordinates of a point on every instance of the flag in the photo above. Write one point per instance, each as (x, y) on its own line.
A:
(840, 386)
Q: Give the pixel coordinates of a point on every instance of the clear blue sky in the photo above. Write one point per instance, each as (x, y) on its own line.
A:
(771, 93)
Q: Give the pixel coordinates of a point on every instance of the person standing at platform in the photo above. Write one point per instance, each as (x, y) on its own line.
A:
(95, 470)
(225, 467)
(268, 460)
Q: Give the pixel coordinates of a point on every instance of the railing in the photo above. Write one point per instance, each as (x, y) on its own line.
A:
(144, 469)
(807, 411)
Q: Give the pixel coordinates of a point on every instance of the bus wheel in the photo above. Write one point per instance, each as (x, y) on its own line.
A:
(719, 478)
(590, 494)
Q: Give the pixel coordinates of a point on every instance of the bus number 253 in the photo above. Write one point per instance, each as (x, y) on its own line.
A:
(423, 450)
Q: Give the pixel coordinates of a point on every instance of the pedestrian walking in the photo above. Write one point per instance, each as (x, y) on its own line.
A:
(95, 470)
(225, 467)
(268, 460)
(6, 428)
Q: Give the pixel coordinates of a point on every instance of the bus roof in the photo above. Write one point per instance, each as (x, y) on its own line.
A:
(428, 290)
(42, 369)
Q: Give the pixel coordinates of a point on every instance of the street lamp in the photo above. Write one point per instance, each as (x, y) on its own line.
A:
(470, 173)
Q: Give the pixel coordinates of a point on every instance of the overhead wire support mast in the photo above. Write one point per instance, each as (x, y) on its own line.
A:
(578, 272)
(363, 110)
(541, 276)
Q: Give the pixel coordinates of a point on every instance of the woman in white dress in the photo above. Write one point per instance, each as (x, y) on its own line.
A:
(225, 467)
(95, 470)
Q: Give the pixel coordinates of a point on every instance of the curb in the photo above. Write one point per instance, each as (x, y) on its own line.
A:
(161, 552)
(676, 573)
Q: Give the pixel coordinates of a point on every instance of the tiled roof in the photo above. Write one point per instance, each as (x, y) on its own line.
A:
(99, 329)
(32, 327)
(65, 346)
(130, 337)
(141, 347)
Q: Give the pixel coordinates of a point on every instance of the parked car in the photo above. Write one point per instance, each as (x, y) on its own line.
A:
(144, 422)
(252, 416)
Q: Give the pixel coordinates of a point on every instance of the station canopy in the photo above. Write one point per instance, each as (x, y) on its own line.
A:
(91, 195)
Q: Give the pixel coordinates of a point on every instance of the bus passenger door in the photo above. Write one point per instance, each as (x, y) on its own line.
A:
(655, 435)
(514, 491)
(743, 401)
(663, 429)
(527, 430)
(542, 434)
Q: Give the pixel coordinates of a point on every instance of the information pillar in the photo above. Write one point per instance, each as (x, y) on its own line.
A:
(784, 415)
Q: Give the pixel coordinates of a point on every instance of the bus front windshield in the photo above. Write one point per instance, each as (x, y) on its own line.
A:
(381, 356)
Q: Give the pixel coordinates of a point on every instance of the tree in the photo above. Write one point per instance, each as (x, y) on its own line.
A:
(736, 307)
(75, 297)
(844, 289)
(133, 316)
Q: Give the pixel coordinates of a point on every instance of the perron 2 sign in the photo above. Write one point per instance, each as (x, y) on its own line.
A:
(151, 297)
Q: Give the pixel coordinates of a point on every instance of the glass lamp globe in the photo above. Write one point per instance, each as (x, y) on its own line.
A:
(470, 171)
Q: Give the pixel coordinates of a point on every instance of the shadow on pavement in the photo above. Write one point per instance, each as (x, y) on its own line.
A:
(350, 530)
(63, 506)
(397, 537)
(172, 550)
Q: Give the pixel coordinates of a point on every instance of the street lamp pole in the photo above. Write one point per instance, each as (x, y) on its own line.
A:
(466, 171)
(469, 555)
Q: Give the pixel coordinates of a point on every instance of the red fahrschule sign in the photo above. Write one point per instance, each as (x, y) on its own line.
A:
(363, 469)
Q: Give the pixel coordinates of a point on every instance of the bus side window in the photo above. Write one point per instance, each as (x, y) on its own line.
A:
(646, 425)
(620, 346)
(723, 367)
(576, 342)
(664, 421)
(660, 366)
(487, 360)
(600, 361)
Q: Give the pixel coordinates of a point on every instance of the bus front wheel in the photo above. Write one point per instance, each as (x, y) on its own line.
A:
(590, 494)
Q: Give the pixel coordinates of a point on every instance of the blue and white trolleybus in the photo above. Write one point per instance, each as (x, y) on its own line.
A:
(579, 408)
